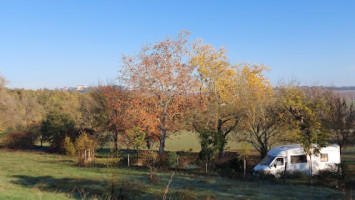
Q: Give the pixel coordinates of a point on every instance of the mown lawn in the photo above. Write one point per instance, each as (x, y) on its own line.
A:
(37, 175)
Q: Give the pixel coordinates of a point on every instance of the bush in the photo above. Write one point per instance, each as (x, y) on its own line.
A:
(20, 140)
(172, 159)
(162, 160)
(149, 158)
(55, 128)
(69, 147)
(85, 148)
(108, 162)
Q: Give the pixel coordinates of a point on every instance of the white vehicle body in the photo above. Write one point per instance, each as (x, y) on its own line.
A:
(293, 158)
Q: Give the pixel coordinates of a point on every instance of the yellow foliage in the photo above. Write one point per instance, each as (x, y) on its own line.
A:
(84, 143)
(228, 84)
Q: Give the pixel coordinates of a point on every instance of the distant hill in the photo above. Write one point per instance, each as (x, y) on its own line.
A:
(340, 88)
(347, 92)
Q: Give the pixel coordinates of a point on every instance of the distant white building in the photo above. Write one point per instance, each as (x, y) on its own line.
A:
(81, 87)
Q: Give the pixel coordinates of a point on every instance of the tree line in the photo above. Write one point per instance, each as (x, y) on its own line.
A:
(176, 84)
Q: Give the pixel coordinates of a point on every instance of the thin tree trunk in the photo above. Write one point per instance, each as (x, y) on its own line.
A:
(206, 167)
(128, 160)
(162, 141)
(137, 156)
(245, 167)
(115, 139)
(310, 170)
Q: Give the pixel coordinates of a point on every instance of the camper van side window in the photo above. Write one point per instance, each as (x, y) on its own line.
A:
(324, 157)
(298, 159)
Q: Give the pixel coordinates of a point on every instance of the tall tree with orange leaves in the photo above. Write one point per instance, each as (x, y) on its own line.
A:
(120, 112)
(163, 73)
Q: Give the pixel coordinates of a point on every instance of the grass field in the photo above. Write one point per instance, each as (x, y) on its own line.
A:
(38, 175)
(186, 140)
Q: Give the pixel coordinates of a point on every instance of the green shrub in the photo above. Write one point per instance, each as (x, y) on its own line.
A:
(55, 128)
(172, 159)
(69, 147)
(20, 140)
(107, 162)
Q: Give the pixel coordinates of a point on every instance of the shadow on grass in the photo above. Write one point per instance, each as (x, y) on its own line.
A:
(76, 188)
(81, 188)
(66, 162)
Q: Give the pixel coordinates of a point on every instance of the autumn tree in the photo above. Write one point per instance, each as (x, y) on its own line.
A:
(341, 121)
(221, 85)
(163, 72)
(306, 113)
(120, 112)
(28, 108)
(261, 122)
(8, 114)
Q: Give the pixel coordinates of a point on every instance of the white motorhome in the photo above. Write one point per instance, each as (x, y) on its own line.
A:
(292, 158)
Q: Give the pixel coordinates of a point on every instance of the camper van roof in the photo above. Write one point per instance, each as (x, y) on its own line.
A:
(295, 149)
(281, 150)
(291, 146)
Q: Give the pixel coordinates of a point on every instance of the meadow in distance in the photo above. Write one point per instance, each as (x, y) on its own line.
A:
(182, 123)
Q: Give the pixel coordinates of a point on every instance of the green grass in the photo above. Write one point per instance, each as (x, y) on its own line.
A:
(186, 140)
(36, 175)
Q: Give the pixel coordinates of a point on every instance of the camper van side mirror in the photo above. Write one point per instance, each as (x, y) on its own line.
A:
(275, 165)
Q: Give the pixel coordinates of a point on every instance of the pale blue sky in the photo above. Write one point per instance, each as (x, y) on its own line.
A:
(57, 43)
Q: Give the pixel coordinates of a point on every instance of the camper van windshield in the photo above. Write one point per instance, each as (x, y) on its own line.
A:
(267, 160)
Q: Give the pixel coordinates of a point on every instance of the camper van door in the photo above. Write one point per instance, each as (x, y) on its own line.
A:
(278, 165)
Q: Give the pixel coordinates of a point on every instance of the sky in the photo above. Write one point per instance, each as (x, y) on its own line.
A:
(58, 43)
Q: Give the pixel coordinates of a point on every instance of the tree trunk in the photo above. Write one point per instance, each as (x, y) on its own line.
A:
(115, 140)
(206, 167)
(148, 144)
(162, 141)
(310, 169)
(128, 159)
(263, 153)
(245, 167)
(221, 148)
